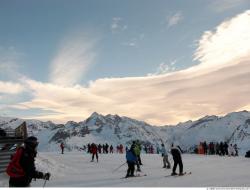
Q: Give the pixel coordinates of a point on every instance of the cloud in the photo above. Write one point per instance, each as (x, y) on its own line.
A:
(162, 99)
(117, 25)
(134, 42)
(227, 43)
(131, 43)
(60, 101)
(218, 85)
(174, 19)
(164, 68)
(10, 88)
(72, 60)
(225, 5)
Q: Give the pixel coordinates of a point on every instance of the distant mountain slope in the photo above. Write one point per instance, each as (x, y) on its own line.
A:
(113, 129)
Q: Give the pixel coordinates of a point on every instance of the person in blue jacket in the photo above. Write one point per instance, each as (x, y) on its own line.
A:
(131, 161)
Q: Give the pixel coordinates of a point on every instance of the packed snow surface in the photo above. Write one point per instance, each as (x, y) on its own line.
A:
(74, 169)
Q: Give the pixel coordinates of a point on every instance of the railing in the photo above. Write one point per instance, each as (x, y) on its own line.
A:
(9, 132)
(8, 144)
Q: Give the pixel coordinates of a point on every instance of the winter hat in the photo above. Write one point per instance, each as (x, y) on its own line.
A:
(31, 142)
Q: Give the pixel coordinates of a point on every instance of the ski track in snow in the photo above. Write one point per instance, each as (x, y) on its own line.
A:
(75, 170)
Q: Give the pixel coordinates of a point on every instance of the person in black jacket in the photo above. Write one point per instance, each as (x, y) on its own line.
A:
(2, 133)
(176, 153)
(27, 163)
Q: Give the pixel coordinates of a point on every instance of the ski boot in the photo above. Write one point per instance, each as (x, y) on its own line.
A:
(174, 174)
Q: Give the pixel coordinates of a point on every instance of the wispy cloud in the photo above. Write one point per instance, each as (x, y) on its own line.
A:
(174, 19)
(227, 43)
(117, 25)
(72, 61)
(131, 44)
(225, 5)
(164, 68)
(134, 42)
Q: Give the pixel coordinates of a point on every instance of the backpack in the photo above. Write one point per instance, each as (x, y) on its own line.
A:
(14, 168)
(247, 154)
(130, 156)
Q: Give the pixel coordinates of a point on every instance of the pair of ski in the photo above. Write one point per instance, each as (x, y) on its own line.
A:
(185, 173)
(142, 175)
(137, 175)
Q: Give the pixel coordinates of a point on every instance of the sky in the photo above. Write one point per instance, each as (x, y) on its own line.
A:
(160, 61)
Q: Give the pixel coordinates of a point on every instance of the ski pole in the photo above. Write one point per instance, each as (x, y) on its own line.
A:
(119, 167)
(44, 183)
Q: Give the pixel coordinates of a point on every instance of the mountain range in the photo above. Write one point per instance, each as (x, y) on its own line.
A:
(114, 129)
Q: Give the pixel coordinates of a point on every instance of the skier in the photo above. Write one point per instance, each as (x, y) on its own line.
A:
(117, 149)
(211, 148)
(236, 150)
(94, 152)
(157, 150)
(138, 145)
(165, 157)
(205, 147)
(121, 148)
(21, 168)
(89, 147)
(62, 147)
(222, 152)
(111, 149)
(131, 161)
(136, 151)
(106, 148)
(100, 148)
(103, 148)
(176, 153)
(225, 148)
(217, 148)
(231, 150)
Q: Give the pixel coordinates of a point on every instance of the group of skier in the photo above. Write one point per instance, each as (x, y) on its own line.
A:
(104, 149)
(133, 158)
(222, 148)
(95, 149)
(22, 170)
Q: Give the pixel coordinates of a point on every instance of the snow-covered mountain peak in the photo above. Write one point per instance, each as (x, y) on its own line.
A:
(70, 124)
(95, 115)
(209, 117)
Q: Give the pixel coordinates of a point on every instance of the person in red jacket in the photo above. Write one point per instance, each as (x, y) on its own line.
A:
(94, 152)
(62, 147)
(21, 168)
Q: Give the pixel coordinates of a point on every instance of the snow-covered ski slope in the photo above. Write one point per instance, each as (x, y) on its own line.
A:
(75, 170)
